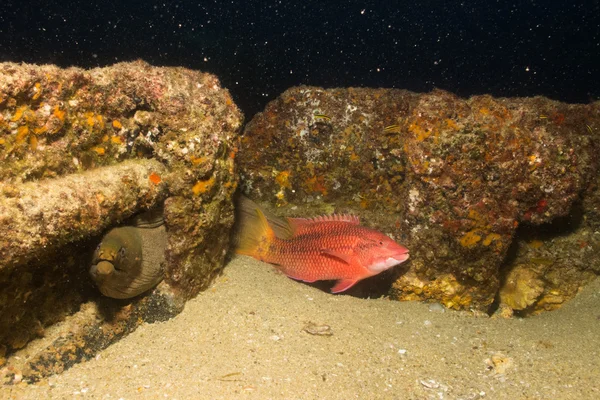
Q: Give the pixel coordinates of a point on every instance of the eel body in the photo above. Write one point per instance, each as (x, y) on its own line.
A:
(129, 259)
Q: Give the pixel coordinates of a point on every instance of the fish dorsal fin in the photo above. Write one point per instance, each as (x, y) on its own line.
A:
(253, 233)
(300, 224)
(280, 226)
(247, 217)
(353, 219)
(264, 225)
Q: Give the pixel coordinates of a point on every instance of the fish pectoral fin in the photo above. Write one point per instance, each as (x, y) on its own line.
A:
(343, 284)
(336, 254)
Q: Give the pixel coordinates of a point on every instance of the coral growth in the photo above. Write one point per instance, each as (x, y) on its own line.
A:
(551, 264)
(521, 288)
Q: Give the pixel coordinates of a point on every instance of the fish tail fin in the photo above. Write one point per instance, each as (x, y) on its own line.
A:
(252, 233)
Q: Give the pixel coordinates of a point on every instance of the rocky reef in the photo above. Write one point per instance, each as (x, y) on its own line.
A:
(461, 182)
(497, 199)
(81, 152)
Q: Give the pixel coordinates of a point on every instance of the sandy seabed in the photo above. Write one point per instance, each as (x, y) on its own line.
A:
(255, 334)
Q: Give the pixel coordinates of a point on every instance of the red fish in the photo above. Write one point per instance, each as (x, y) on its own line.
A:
(332, 247)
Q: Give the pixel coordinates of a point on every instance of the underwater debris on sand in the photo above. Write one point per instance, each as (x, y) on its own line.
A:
(93, 328)
(454, 181)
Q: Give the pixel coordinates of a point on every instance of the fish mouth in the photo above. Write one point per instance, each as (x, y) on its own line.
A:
(400, 257)
(388, 262)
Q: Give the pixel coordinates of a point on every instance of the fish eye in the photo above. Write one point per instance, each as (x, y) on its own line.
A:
(122, 251)
(381, 242)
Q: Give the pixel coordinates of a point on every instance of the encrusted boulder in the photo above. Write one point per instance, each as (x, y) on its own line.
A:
(81, 152)
(452, 179)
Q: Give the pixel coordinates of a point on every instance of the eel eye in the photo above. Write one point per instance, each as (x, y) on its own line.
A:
(122, 252)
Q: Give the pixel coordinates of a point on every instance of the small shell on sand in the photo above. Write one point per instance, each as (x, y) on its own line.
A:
(499, 363)
(317, 330)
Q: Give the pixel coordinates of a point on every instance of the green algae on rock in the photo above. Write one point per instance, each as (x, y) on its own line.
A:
(90, 148)
(450, 178)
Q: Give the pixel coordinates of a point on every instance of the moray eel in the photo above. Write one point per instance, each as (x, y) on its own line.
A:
(128, 261)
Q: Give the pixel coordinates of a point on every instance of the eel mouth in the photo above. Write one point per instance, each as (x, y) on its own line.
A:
(104, 268)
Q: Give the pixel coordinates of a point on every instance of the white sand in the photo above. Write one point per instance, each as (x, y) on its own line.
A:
(244, 338)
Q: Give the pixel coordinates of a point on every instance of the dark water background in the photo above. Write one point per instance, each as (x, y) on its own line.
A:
(260, 48)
